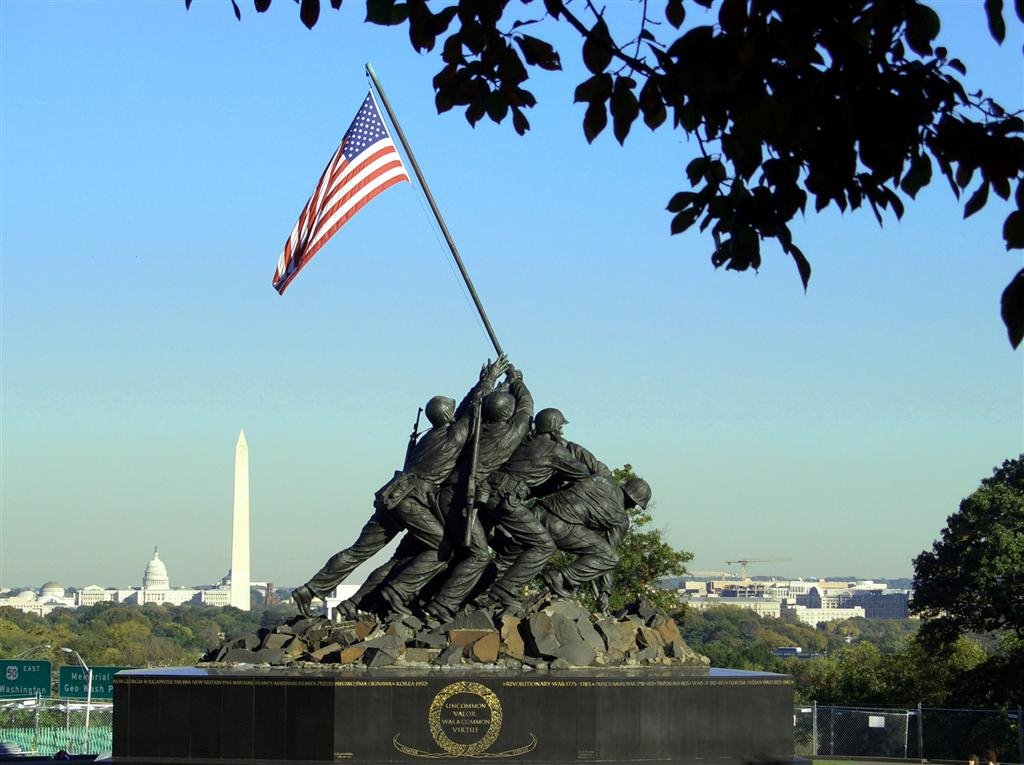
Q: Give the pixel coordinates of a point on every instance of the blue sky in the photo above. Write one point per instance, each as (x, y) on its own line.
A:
(152, 163)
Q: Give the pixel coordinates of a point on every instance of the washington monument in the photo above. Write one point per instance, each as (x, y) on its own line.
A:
(240, 527)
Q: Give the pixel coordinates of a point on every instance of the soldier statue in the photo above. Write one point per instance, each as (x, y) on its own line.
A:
(409, 500)
(506, 417)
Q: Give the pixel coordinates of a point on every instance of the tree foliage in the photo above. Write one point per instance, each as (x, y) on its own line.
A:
(850, 661)
(847, 103)
(970, 580)
(116, 635)
(645, 558)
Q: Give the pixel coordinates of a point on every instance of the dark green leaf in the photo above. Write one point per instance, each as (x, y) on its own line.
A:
(684, 220)
(261, 5)
(1018, 6)
(553, 7)
(594, 121)
(977, 200)
(379, 11)
(519, 121)
(996, 24)
(732, 15)
(652, 104)
(497, 107)
(443, 101)
(1012, 309)
(238, 13)
(689, 117)
(597, 88)
(958, 65)
(894, 202)
(1001, 186)
(475, 112)
(918, 176)
(442, 19)
(309, 12)
(802, 264)
(188, 4)
(335, 4)
(964, 173)
(680, 200)
(1013, 230)
(538, 53)
(695, 170)
(675, 13)
(597, 48)
(624, 107)
(386, 12)
(922, 27)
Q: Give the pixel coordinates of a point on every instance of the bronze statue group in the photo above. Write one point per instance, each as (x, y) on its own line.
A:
(485, 499)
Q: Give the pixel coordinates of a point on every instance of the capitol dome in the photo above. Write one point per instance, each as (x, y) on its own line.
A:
(155, 577)
(52, 588)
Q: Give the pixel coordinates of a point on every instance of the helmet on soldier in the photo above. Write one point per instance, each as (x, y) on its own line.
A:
(638, 490)
(498, 406)
(440, 410)
(549, 421)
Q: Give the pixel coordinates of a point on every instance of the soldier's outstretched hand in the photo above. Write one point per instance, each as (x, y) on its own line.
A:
(513, 374)
(500, 365)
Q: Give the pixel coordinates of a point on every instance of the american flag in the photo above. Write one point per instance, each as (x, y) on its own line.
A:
(365, 163)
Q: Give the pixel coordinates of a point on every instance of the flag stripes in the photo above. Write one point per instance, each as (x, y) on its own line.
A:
(365, 163)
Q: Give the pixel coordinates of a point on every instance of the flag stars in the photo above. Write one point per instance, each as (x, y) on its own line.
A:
(367, 128)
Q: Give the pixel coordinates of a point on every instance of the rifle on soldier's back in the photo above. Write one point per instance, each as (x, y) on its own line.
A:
(467, 540)
(413, 437)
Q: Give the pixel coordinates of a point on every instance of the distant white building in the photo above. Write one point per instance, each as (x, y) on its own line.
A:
(811, 601)
(49, 597)
(156, 588)
(815, 616)
(760, 606)
(341, 592)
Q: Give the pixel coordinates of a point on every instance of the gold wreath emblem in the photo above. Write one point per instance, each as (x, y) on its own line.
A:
(454, 748)
(474, 749)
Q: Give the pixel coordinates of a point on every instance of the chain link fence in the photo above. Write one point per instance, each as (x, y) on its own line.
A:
(921, 733)
(47, 726)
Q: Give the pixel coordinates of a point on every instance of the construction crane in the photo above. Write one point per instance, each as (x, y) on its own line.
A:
(744, 562)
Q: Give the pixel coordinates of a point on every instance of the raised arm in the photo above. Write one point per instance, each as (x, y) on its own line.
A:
(523, 412)
(489, 374)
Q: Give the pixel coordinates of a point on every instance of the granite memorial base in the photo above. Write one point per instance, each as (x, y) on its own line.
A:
(256, 715)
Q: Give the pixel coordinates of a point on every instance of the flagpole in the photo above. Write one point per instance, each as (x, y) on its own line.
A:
(433, 206)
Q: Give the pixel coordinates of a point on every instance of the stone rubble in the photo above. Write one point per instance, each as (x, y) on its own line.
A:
(552, 633)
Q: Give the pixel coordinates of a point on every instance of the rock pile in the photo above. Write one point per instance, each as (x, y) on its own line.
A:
(552, 633)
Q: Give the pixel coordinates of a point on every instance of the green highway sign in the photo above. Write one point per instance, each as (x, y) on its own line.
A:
(73, 682)
(24, 679)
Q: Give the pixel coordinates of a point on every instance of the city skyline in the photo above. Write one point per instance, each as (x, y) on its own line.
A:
(149, 188)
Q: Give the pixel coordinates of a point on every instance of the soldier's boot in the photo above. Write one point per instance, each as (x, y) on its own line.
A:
(303, 598)
(503, 597)
(437, 612)
(348, 609)
(555, 581)
(394, 601)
